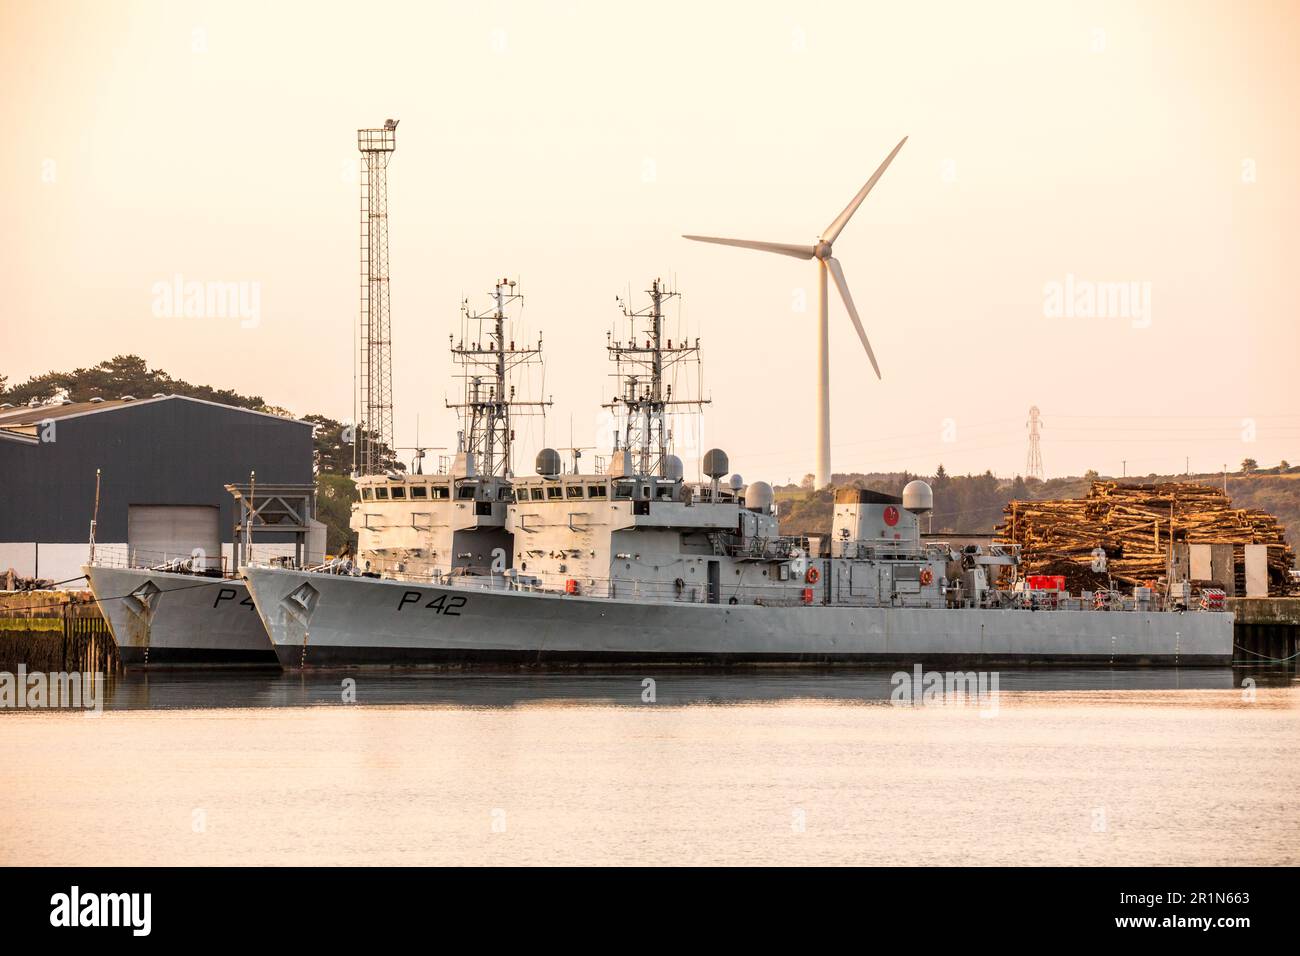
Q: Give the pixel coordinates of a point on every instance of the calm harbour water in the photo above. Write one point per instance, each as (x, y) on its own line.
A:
(1158, 766)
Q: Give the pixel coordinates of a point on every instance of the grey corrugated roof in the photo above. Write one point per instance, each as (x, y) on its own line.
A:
(33, 414)
(28, 415)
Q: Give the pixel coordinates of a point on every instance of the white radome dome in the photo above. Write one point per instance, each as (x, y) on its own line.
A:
(918, 497)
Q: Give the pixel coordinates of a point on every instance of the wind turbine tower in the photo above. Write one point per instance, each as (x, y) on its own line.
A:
(827, 264)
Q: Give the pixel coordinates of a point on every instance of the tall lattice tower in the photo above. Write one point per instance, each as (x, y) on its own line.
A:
(1034, 462)
(374, 399)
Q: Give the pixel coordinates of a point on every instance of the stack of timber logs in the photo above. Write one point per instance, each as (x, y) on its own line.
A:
(1137, 525)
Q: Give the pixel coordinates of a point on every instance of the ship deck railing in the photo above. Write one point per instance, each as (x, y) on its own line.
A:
(887, 549)
(484, 578)
(784, 594)
(126, 557)
(195, 561)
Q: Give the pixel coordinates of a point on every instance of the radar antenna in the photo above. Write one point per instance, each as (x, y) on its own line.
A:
(488, 358)
(643, 397)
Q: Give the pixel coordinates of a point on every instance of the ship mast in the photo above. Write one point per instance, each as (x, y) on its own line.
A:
(644, 397)
(488, 358)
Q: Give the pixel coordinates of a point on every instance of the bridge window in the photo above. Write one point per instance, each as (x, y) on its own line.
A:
(366, 494)
(537, 494)
(381, 494)
(440, 491)
(596, 491)
(575, 491)
(399, 492)
(554, 491)
(419, 491)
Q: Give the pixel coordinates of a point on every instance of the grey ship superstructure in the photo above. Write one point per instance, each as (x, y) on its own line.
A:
(453, 523)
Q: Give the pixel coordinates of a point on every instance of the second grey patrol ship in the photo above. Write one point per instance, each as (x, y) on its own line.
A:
(634, 564)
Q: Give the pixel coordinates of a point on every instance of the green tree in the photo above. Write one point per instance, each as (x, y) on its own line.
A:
(131, 375)
(335, 495)
(333, 447)
(118, 376)
(1249, 466)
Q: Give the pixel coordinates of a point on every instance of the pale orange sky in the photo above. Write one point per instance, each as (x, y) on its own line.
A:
(569, 144)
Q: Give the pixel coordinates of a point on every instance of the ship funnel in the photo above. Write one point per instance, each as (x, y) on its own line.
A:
(463, 465)
(620, 463)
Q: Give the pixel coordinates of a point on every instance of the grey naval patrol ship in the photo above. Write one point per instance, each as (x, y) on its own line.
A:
(166, 610)
(166, 616)
(633, 564)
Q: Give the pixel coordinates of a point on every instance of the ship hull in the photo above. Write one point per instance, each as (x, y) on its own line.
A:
(317, 620)
(189, 622)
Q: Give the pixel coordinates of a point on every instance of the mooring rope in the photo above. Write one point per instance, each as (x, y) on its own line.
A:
(1264, 658)
(120, 597)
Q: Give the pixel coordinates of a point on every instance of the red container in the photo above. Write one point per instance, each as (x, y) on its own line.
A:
(807, 595)
(571, 587)
(1046, 582)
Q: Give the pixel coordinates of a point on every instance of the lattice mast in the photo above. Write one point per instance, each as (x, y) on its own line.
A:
(644, 397)
(1034, 460)
(374, 400)
(489, 358)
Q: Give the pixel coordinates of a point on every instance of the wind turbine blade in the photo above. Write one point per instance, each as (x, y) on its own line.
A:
(842, 220)
(838, 275)
(782, 248)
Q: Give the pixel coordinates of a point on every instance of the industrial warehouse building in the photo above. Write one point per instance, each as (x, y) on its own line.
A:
(164, 463)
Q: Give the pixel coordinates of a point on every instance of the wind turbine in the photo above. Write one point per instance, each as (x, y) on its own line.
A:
(826, 263)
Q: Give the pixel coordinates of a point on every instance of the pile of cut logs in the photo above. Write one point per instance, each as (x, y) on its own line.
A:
(1137, 526)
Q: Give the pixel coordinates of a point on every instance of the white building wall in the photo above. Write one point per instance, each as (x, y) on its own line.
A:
(54, 562)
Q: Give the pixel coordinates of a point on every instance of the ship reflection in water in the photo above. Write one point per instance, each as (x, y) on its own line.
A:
(622, 686)
(1144, 766)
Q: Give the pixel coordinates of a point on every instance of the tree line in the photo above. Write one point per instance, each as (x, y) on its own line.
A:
(974, 504)
(131, 375)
